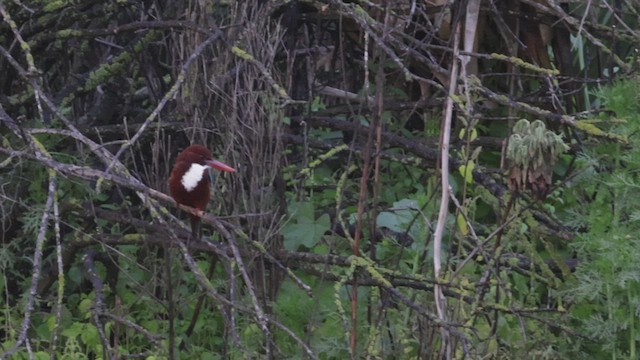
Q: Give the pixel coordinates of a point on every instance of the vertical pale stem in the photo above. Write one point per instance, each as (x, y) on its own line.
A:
(444, 201)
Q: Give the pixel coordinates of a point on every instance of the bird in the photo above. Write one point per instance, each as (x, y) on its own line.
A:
(189, 181)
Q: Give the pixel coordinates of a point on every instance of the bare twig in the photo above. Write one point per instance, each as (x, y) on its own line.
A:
(37, 267)
(444, 200)
(98, 302)
(61, 279)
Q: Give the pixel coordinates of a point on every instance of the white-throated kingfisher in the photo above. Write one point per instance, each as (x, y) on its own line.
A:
(189, 181)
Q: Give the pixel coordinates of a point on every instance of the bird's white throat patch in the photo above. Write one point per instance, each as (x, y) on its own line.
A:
(193, 176)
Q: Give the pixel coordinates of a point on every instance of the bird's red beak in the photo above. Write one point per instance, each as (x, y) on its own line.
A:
(220, 166)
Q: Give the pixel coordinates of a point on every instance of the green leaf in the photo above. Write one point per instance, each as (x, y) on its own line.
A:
(304, 229)
(473, 134)
(462, 225)
(402, 214)
(390, 220)
(41, 355)
(467, 171)
(42, 330)
(85, 305)
(317, 104)
(75, 275)
(90, 336)
(74, 330)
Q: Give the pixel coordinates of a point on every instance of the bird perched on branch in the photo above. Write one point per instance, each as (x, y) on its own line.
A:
(189, 181)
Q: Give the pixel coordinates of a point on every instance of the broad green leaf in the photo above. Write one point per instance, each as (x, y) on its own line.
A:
(90, 336)
(85, 305)
(389, 220)
(42, 355)
(304, 229)
(74, 330)
(403, 212)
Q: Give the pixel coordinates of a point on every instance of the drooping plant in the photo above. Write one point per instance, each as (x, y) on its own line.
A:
(532, 152)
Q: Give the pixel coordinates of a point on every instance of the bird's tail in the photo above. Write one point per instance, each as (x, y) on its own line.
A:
(196, 227)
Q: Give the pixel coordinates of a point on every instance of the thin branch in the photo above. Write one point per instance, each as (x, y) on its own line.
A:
(48, 36)
(99, 301)
(61, 278)
(37, 267)
(444, 199)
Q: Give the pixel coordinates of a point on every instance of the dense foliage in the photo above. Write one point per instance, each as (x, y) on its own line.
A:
(438, 179)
